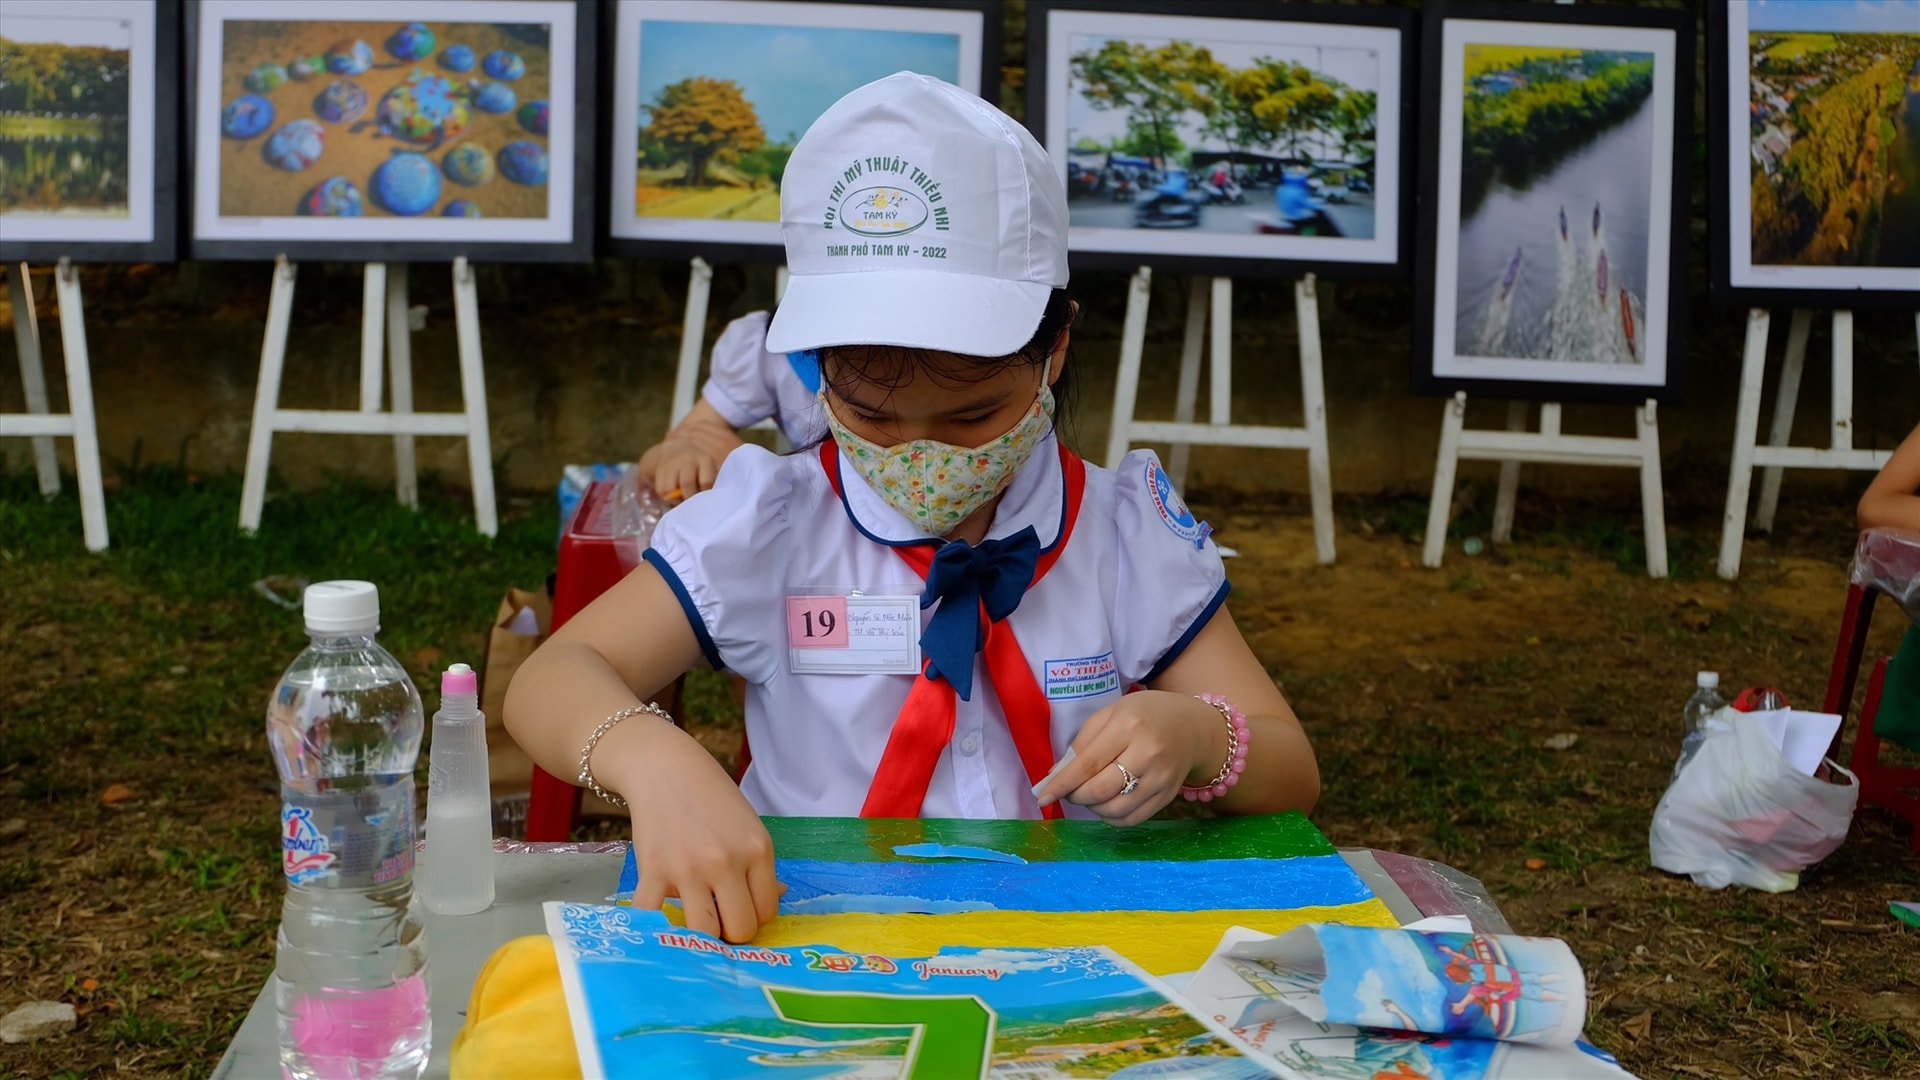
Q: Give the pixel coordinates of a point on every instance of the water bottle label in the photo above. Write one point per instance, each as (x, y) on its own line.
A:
(307, 852)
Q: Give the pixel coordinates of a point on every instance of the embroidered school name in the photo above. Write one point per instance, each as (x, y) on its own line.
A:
(699, 944)
(1082, 677)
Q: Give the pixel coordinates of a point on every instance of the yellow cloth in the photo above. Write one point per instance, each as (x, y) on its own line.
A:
(517, 1019)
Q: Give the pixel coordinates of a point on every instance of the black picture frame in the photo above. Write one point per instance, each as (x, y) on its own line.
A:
(165, 186)
(1724, 83)
(578, 247)
(1212, 262)
(623, 239)
(1427, 380)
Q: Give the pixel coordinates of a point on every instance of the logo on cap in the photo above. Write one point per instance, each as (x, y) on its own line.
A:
(882, 211)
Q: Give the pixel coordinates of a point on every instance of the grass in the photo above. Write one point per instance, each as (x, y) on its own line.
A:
(1430, 698)
(1793, 46)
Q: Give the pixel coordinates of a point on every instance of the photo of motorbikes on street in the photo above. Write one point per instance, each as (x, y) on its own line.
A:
(1246, 137)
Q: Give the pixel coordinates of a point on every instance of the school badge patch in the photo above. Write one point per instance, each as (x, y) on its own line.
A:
(1173, 511)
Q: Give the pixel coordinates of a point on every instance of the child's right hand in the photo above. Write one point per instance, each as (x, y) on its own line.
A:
(697, 838)
(678, 468)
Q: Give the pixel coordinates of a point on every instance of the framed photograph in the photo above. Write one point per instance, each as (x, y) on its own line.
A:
(1225, 137)
(709, 97)
(1553, 210)
(391, 130)
(89, 118)
(1814, 149)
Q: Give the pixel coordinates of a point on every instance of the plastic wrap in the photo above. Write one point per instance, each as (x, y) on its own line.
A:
(633, 510)
(1889, 560)
(1439, 889)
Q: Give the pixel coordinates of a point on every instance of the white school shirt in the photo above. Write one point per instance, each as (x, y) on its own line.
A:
(747, 384)
(1138, 580)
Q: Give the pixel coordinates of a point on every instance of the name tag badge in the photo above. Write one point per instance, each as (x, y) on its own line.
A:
(853, 635)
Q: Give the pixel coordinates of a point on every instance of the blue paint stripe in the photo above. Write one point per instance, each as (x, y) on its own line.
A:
(659, 562)
(1206, 885)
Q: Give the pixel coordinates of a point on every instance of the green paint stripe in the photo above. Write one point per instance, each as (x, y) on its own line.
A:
(1276, 836)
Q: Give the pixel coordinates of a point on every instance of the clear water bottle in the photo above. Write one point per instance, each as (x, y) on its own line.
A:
(456, 873)
(344, 726)
(1706, 701)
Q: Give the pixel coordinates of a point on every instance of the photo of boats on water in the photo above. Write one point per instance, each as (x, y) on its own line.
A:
(1557, 148)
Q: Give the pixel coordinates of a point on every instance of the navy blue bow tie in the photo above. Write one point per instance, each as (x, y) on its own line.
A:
(963, 576)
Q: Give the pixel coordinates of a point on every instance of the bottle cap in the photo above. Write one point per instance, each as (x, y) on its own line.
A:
(459, 679)
(342, 607)
(1708, 680)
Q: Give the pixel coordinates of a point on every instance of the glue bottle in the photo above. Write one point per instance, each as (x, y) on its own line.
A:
(456, 876)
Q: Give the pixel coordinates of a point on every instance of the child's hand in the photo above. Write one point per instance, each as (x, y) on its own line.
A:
(1163, 740)
(696, 837)
(678, 468)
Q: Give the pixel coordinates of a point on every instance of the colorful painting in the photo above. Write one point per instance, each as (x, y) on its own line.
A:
(394, 121)
(712, 95)
(649, 999)
(1822, 144)
(1192, 134)
(79, 120)
(1163, 888)
(1550, 256)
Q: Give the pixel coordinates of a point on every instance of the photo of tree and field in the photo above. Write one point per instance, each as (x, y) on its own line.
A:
(1273, 136)
(63, 114)
(1834, 133)
(722, 105)
(1556, 184)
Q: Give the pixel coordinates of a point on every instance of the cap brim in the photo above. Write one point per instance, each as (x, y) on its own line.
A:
(918, 309)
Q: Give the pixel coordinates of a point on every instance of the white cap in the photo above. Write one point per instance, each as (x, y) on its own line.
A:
(916, 214)
(342, 607)
(1709, 680)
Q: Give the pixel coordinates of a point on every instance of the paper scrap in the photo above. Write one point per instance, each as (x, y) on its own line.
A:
(957, 851)
(1053, 772)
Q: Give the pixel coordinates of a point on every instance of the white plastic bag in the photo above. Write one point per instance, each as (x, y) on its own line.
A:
(1740, 814)
(633, 510)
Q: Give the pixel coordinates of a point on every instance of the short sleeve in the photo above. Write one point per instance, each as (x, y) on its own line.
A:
(720, 553)
(740, 383)
(1171, 579)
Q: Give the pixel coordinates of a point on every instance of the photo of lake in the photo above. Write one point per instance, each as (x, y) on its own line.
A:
(1557, 150)
(63, 114)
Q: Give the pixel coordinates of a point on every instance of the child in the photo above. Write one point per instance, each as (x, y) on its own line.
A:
(748, 383)
(926, 232)
(1893, 501)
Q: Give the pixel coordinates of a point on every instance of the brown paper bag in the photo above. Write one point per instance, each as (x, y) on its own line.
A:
(508, 767)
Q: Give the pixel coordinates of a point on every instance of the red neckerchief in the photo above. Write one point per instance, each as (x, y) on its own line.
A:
(926, 721)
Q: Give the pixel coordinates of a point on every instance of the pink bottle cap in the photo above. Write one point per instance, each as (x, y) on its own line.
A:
(459, 679)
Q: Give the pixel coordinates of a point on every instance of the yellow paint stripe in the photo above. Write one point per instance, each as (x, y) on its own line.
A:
(1163, 942)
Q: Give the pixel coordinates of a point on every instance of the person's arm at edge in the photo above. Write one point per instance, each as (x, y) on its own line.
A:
(1893, 498)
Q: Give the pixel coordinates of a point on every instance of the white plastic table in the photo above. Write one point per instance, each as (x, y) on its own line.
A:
(457, 946)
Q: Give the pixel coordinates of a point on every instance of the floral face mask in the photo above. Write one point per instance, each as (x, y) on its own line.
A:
(937, 485)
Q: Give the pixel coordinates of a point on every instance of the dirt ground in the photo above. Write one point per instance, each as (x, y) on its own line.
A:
(1431, 697)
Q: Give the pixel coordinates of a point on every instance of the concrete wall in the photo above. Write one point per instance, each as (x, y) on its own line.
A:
(580, 364)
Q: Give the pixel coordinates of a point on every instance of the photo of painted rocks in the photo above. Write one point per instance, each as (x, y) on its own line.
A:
(361, 119)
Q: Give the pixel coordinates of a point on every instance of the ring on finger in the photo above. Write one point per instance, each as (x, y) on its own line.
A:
(1126, 774)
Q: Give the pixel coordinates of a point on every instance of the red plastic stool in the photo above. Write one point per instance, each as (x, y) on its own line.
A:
(589, 566)
(1879, 784)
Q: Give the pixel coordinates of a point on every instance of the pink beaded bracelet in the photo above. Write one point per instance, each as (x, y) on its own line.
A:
(1237, 738)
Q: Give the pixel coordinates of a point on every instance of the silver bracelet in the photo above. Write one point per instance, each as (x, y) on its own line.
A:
(585, 778)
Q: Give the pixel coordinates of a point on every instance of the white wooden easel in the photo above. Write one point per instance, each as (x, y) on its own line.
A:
(1215, 295)
(37, 422)
(693, 340)
(1777, 455)
(385, 308)
(1547, 446)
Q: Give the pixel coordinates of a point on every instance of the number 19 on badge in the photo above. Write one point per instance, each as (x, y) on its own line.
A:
(817, 622)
